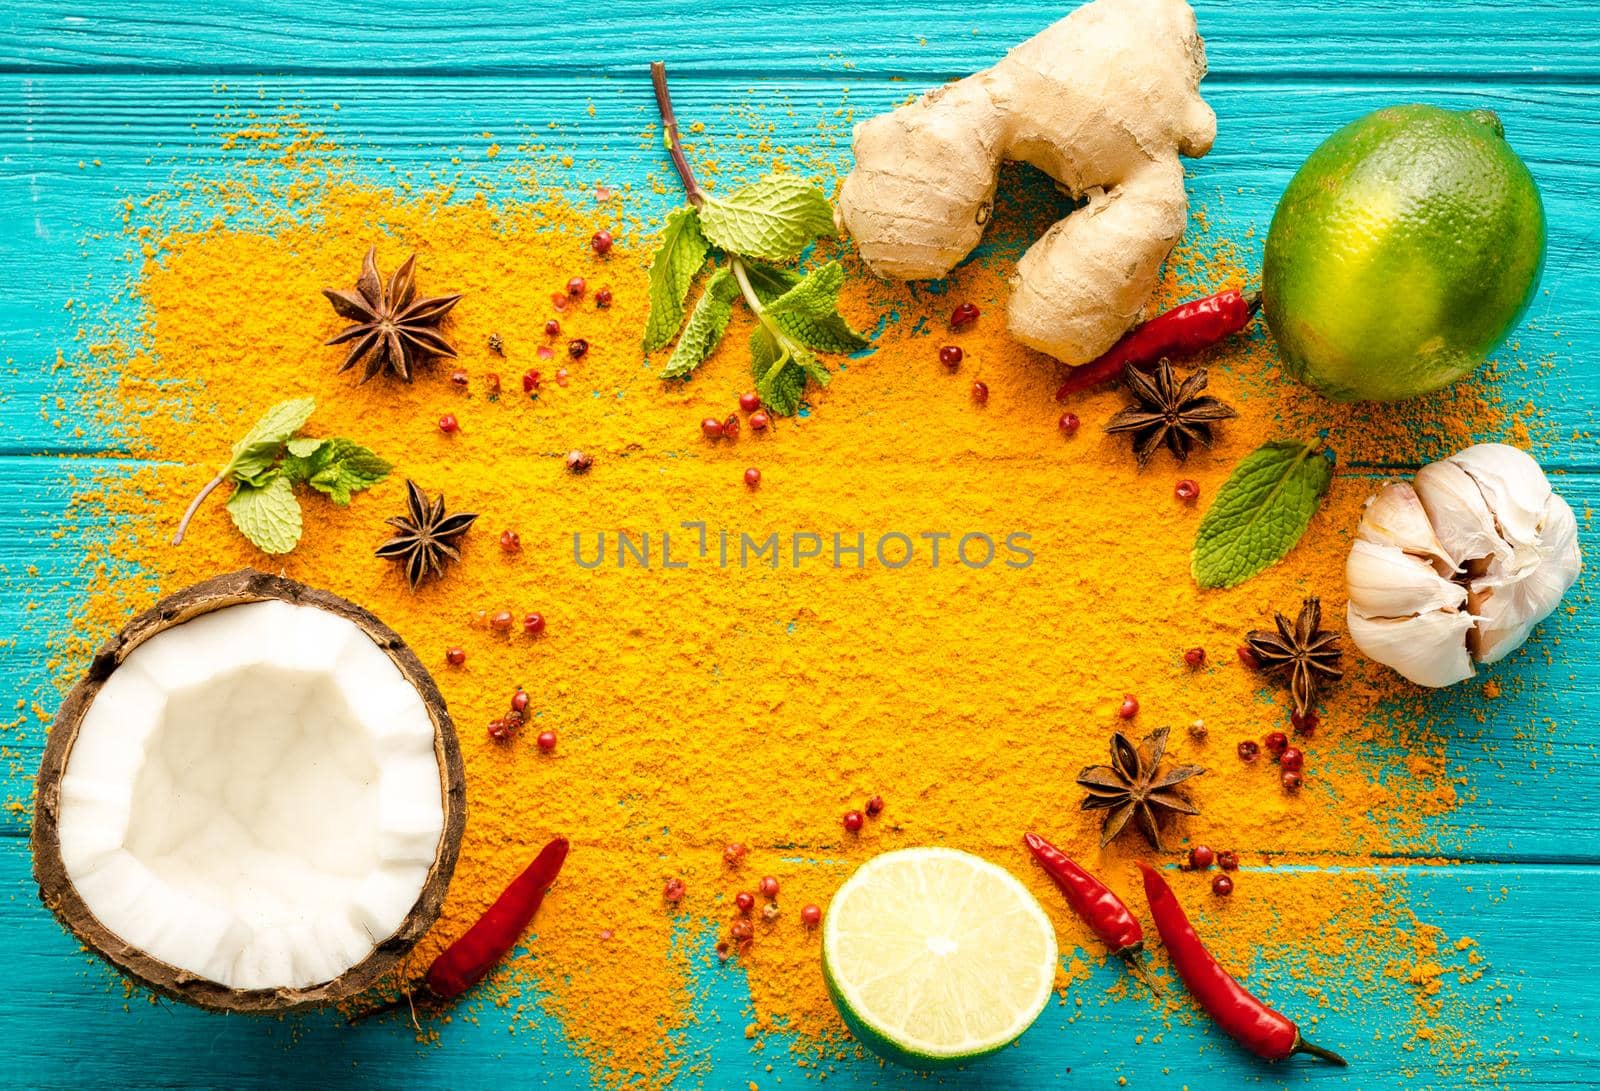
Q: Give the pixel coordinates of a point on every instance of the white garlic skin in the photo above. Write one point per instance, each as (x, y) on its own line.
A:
(1461, 566)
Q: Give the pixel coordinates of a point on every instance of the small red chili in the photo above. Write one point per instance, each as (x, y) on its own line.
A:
(1094, 903)
(1183, 331)
(1244, 1018)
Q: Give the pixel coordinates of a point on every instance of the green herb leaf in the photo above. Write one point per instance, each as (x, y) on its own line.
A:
(268, 515)
(1262, 510)
(707, 323)
(779, 380)
(259, 449)
(346, 468)
(304, 446)
(679, 257)
(809, 312)
(774, 218)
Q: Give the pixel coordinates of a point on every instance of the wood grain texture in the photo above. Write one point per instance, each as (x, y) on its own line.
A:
(103, 101)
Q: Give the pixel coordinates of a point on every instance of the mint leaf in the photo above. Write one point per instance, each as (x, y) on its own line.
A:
(304, 446)
(1260, 513)
(679, 257)
(774, 218)
(346, 469)
(260, 447)
(268, 515)
(707, 323)
(779, 380)
(809, 312)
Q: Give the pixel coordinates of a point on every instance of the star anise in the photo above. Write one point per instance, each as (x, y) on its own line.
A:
(1133, 786)
(394, 329)
(427, 536)
(1307, 653)
(1167, 411)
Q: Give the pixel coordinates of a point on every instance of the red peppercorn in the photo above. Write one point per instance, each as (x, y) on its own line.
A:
(750, 401)
(874, 806)
(576, 287)
(964, 315)
(732, 853)
(1187, 490)
(547, 740)
(1068, 424)
(579, 462)
(1222, 886)
(950, 356)
(674, 891)
(741, 932)
(980, 393)
(500, 621)
(1276, 742)
(768, 886)
(1201, 857)
(552, 328)
(519, 701)
(455, 656)
(600, 242)
(510, 541)
(752, 477)
(745, 900)
(1249, 750)
(1292, 758)
(500, 730)
(577, 347)
(853, 821)
(810, 915)
(1130, 707)
(459, 377)
(758, 422)
(449, 425)
(1228, 861)
(1291, 780)
(1306, 724)
(602, 298)
(533, 624)
(530, 382)
(1248, 657)
(730, 427)
(491, 381)
(1195, 657)
(711, 428)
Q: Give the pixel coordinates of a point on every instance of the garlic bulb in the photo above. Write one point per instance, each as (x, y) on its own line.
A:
(1459, 566)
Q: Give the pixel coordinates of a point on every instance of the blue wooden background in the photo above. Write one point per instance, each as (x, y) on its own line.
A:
(100, 100)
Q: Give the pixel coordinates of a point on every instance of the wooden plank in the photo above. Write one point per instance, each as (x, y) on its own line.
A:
(74, 148)
(83, 1030)
(925, 39)
(1504, 754)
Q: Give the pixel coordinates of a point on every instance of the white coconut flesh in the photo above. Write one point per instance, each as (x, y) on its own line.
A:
(254, 797)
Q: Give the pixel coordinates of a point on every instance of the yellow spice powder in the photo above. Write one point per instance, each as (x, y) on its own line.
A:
(709, 704)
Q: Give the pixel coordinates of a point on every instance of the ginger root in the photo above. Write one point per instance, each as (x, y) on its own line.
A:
(1103, 101)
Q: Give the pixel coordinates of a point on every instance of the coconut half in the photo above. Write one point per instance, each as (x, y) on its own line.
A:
(253, 801)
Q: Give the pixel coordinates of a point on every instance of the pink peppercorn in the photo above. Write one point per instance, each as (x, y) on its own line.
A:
(600, 242)
(853, 821)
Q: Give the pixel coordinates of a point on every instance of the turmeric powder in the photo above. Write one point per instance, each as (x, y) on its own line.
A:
(707, 704)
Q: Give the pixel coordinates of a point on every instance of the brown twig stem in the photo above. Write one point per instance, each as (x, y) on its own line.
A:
(658, 78)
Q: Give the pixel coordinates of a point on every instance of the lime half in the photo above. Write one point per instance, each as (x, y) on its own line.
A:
(936, 957)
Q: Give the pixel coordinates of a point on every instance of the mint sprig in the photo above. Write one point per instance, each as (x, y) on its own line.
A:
(1261, 511)
(270, 461)
(772, 220)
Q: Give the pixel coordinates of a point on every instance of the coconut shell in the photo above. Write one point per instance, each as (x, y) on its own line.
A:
(61, 896)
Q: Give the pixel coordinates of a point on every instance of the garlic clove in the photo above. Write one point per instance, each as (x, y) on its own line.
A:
(1429, 649)
(1395, 517)
(1460, 516)
(1514, 487)
(1511, 608)
(1386, 582)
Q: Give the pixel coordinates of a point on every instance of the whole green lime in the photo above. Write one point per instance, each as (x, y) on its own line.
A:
(1403, 252)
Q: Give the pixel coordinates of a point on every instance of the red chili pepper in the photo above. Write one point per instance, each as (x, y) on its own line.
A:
(1247, 1020)
(1094, 903)
(1183, 331)
(465, 962)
